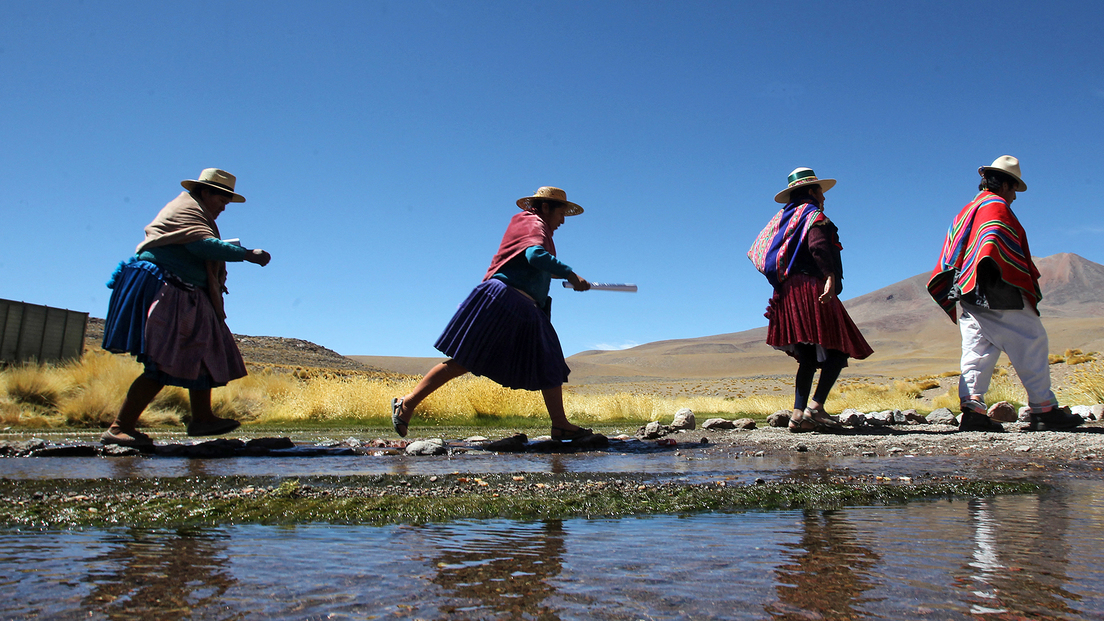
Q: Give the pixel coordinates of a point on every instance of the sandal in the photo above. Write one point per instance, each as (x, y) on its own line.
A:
(396, 417)
(135, 439)
(803, 424)
(560, 434)
(214, 427)
(821, 419)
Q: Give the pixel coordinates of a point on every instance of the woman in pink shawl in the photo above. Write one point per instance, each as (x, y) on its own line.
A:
(166, 309)
(503, 330)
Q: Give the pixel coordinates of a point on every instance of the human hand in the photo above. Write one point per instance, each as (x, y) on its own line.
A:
(829, 289)
(579, 284)
(258, 256)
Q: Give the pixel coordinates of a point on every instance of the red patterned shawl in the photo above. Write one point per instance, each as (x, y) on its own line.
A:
(985, 228)
(776, 246)
(526, 229)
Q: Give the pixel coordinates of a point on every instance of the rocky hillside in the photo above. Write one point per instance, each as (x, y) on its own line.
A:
(264, 350)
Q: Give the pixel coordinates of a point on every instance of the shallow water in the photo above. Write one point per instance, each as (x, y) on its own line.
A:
(1036, 556)
(1033, 556)
(688, 462)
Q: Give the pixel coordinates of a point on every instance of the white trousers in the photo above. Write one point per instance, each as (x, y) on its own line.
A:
(1018, 333)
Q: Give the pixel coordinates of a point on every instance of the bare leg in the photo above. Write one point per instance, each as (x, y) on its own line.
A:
(561, 427)
(200, 400)
(438, 376)
(138, 397)
(204, 422)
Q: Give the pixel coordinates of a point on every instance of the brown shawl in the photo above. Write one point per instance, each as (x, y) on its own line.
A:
(184, 221)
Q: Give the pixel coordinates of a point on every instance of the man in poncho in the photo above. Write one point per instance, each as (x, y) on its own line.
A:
(986, 268)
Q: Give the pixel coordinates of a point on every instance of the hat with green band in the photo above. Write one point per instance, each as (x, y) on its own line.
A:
(802, 177)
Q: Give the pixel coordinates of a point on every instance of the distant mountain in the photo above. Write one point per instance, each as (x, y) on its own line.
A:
(910, 334)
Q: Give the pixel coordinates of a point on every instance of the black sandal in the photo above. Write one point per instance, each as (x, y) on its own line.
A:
(804, 424)
(561, 434)
(821, 419)
(215, 427)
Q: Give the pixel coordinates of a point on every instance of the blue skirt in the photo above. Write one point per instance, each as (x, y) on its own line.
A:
(135, 286)
(499, 333)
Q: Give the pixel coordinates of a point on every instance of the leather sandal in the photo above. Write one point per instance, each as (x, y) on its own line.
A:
(822, 420)
(559, 433)
(804, 424)
(214, 427)
(134, 439)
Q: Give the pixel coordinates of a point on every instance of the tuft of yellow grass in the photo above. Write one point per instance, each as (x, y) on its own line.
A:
(1088, 383)
(32, 384)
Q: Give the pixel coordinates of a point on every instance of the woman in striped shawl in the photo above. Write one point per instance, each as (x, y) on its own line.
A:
(799, 253)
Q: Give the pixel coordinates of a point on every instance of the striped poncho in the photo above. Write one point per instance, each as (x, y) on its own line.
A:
(776, 246)
(986, 228)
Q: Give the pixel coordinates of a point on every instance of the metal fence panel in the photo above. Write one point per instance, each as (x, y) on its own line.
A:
(31, 332)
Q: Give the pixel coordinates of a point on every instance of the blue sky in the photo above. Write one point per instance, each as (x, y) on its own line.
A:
(382, 145)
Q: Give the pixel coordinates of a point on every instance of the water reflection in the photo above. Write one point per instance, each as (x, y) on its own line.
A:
(826, 572)
(1020, 557)
(504, 568)
(1038, 556)
(158, 574)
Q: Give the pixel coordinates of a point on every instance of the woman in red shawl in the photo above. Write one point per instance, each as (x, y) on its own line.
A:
(799, 253)
(503, 330)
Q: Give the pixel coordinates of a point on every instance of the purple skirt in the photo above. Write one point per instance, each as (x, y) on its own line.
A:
(499, 333)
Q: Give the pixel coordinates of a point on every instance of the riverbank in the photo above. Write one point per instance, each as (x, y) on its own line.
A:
(812, 470)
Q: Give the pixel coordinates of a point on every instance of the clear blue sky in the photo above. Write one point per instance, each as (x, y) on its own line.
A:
(382, 145)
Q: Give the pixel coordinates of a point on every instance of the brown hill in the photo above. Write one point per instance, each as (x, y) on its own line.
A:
(909, 333)
(265, 350)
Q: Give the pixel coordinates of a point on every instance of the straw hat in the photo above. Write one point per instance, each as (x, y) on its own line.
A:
(800, 177)
(1009, 166)
(215, 178)
(555, 195)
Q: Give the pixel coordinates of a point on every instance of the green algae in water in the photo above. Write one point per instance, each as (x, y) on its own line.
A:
(391, 499)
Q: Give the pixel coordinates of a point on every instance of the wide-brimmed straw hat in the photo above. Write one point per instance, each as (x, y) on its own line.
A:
(217, 179)
(1009, 166)
(802, 177)
(550, 194)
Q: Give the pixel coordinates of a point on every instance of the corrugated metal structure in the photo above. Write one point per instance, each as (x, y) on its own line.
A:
(30, 332)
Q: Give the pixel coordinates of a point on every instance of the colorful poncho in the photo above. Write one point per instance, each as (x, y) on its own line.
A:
(986, 228)
(776, 246)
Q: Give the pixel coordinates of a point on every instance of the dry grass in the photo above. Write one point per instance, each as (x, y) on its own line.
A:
(89, 392)
(1088, 383)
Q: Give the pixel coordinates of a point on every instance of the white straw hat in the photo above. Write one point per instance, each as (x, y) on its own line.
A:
(1009, 166)
(215, 178)
(801, 177)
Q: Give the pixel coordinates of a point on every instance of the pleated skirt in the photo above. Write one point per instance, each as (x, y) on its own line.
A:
(796, 315)
(171, 328)
(500, 333)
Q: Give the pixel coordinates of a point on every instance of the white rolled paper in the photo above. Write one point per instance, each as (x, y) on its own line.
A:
(607, 286)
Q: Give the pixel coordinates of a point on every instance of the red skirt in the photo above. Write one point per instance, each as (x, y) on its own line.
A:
(796, 315)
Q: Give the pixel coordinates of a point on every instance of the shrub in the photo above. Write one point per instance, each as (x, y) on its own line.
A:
(35, 384)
